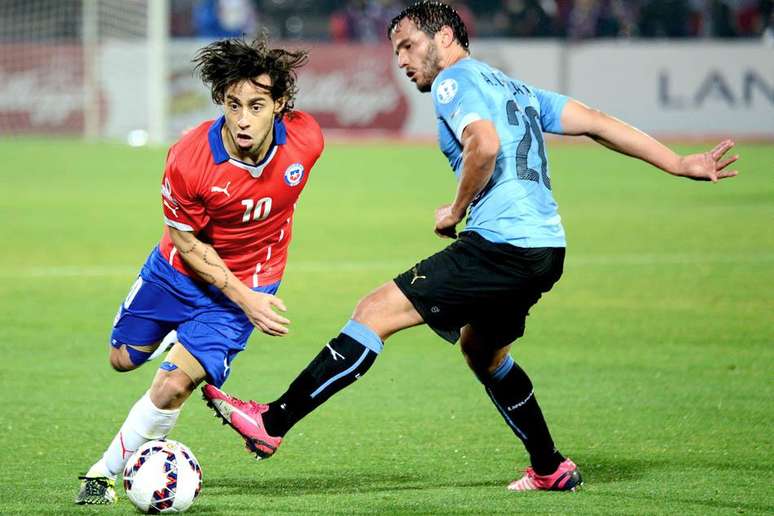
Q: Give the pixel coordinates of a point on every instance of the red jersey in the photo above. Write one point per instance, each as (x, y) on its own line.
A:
(244, 211)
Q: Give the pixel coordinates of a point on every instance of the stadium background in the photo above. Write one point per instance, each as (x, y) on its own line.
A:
(652, 358)
(121, 69)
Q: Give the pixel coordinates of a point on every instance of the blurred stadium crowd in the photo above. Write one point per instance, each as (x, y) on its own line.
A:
(365, 20)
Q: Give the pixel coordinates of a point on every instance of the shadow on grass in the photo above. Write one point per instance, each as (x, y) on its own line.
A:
(600, 470)
(349, 482)
(344, 482)
(707, 501)
(603, 470)
(596, 471)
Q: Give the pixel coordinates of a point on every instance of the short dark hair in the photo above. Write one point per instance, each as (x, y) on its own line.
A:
(430, 17)
(229, 61)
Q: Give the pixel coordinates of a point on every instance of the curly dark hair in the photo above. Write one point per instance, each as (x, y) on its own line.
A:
(229, 61)
(430, 17)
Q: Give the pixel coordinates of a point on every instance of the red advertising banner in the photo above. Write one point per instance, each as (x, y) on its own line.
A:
(41, 88)
(352, 88)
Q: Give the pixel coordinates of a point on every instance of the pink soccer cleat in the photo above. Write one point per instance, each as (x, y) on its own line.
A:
(565, 478)
(246, 418)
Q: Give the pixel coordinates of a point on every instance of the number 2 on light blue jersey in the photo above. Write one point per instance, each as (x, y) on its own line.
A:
(531, 126)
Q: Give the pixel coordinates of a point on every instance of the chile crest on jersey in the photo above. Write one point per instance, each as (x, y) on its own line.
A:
(294, 174)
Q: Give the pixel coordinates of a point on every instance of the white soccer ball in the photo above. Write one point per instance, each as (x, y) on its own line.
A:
(162, 476)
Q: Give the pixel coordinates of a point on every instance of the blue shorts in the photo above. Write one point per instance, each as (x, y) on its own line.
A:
(210, 326)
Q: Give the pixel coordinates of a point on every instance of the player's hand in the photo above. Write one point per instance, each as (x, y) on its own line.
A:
(446, 222)
(708, 166)
(260, 309)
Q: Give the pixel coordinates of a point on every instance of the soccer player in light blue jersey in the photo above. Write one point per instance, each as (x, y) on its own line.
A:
(479, 289)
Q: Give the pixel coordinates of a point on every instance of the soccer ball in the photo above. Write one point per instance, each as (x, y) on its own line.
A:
(162, 476)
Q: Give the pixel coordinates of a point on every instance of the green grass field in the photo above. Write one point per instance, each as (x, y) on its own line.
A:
(653, 358)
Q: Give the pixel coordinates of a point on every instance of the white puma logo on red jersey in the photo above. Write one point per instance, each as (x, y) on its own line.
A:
(223, 190)
(174, 210)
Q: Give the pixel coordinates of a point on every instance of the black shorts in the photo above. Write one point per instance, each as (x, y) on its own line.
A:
(489, 286)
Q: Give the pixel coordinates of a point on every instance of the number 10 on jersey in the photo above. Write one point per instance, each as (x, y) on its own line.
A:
(256, 210)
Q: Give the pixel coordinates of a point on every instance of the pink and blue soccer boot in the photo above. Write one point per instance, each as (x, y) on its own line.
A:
(246, 418)
(565, 478)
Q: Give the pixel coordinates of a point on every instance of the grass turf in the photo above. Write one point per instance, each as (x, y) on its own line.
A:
(652, 357)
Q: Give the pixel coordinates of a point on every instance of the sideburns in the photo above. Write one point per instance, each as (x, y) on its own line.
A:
(432, 62)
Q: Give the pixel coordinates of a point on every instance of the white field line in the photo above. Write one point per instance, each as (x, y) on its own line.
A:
(396, 266)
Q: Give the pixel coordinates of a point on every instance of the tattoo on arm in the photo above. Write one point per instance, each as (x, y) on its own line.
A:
(218, 266)
(188, 251)
(209, 278)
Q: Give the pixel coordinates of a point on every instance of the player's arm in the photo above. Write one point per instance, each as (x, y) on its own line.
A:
(480, 145)
(208, 265)
(579, 119)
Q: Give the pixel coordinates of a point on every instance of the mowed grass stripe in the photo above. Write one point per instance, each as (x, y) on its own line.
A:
(652, 358)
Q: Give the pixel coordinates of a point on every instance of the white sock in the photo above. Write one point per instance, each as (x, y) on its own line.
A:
(144, 423)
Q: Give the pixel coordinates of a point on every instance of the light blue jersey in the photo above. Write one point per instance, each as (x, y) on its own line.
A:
(516, 206)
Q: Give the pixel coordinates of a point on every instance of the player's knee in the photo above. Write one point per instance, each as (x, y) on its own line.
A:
(477, 361)
(120, 360)
(386, 311)
(481, 356)
(370, 311)
(483, 366)
(366, 309)
(496, 358)
(170, 389)
(472, 347)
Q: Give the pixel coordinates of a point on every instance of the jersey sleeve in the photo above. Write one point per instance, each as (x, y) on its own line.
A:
(182, 208)
(458, 99)
(551, 106)
(313, 136)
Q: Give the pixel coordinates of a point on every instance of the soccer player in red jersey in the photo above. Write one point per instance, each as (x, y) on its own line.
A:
(228, 195)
